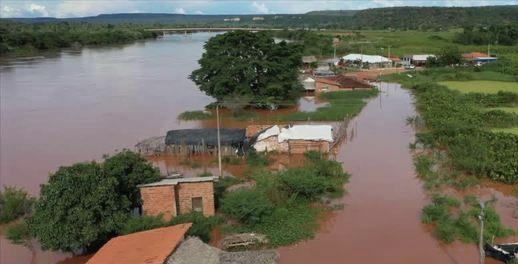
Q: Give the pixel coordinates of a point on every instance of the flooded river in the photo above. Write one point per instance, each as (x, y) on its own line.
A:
(380, 222)
(78, 105)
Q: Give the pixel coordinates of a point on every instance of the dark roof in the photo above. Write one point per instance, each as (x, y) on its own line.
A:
(344, 82)
(208, 136)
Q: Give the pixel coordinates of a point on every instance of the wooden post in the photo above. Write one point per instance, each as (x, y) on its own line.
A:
(219, 143)
(481, 239)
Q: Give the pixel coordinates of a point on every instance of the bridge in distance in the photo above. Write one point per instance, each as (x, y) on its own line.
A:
(210, 29)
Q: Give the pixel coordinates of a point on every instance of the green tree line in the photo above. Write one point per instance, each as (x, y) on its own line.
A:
(26, 38)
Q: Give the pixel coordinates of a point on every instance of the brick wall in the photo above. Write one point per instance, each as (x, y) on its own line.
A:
(189, 190)
(302, 146)
(159, 200)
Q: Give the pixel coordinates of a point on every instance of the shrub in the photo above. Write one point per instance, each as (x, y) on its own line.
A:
(195, 115)
(18, 233)
(14, 203)
(247, 206)
(303, 183)
(141, 223)
(257, 159)
(290, 223)
(201, 226)
(454, 221)
(221, 185)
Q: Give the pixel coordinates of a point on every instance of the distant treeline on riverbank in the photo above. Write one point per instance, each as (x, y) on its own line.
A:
(23, 39)
(400, 18)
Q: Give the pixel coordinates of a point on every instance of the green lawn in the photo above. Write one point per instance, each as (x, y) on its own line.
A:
(513, 130)
(482, 86)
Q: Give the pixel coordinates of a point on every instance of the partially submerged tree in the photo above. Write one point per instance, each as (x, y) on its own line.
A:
(14, 203)
(84, 205)
(242, 63)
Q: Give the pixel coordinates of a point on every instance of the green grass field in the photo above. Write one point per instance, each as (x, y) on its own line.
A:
(513, 130)
(481, 86)
(505, 109)
(412, 42)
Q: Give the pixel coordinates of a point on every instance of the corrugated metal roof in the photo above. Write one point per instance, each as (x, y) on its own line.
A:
(366, 58)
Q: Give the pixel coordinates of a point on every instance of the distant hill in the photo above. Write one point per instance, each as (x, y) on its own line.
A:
(332, 13)
(435, 17)
(376, 18)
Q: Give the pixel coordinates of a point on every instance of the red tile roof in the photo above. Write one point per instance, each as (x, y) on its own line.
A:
(473, 55)
(344, 82)
(147, 247)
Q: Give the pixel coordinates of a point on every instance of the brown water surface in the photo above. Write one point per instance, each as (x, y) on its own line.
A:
(79, 105)
(71, 106)
(380, 222)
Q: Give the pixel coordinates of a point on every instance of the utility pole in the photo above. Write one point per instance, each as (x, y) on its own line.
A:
(481, 239)
(391, 62)
(219, 143)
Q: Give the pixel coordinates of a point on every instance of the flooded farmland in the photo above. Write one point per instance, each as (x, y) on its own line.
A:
(380, 222)
(78, 105)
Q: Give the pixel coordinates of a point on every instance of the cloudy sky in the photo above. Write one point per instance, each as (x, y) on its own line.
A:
(78, 8)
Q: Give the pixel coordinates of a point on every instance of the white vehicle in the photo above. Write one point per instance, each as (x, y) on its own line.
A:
(409, 67)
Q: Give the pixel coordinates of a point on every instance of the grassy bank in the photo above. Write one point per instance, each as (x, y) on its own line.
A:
(458, 123)
(342, 104)
(460, 142)
(481, 86)
(402, 43)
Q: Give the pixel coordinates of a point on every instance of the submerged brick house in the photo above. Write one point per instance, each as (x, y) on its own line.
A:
(172, 197)
(296, 139)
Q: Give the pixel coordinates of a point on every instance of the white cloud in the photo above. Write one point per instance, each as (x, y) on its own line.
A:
(387, 3)
(260, 7)
(180, 10)
(8, 11)
(199, 12)
(38, 10)
(21, 9)
(91, 8)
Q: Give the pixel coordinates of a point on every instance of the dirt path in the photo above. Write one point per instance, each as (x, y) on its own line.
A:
(381, 219)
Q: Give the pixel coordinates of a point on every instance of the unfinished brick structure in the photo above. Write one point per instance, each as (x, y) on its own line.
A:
(172, 197)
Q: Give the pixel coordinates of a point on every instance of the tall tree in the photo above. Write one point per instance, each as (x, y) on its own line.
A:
(84, 205)
(243, 63)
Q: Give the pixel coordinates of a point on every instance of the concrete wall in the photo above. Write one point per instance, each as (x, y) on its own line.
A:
(159, 200)
(187, 191)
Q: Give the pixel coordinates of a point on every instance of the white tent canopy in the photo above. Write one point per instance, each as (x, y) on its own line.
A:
(366, 58)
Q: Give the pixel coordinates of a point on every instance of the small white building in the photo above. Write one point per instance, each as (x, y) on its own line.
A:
(417, 59)
(257, 18)
(233, 19)
(296, 139)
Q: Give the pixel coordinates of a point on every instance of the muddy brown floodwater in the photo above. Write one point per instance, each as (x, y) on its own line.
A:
(380, 222)
(78, 105)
